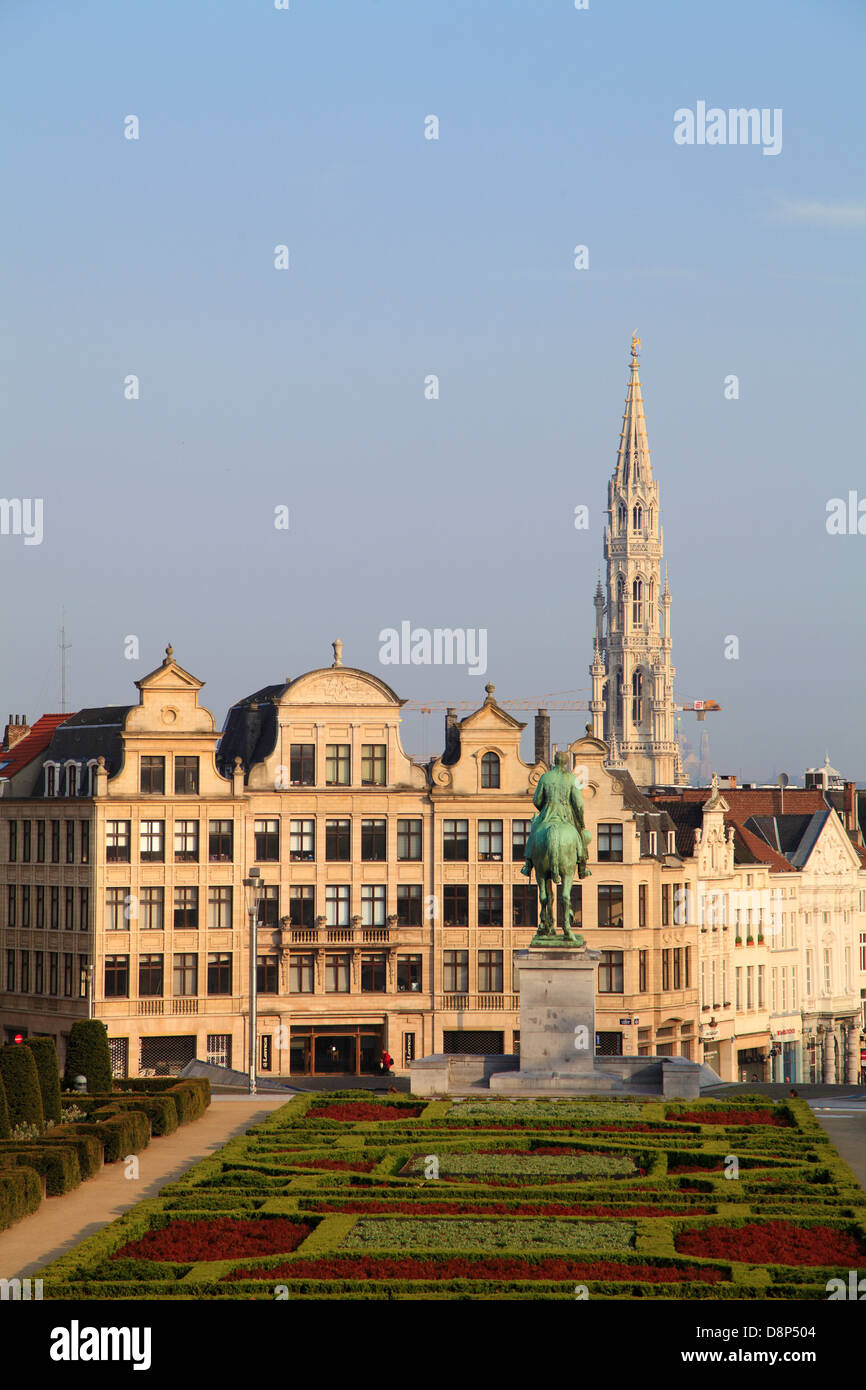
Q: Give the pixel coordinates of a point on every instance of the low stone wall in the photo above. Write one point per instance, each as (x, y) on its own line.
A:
(446, 1074)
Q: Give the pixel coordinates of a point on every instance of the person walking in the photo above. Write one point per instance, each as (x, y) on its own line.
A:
(387, 1062)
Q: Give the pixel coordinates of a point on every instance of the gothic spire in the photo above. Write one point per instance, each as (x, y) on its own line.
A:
(633, 459)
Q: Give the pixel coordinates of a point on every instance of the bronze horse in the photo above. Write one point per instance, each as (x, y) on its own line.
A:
(557, 847)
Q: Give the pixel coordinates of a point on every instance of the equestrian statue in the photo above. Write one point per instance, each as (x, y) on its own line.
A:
(556, 848)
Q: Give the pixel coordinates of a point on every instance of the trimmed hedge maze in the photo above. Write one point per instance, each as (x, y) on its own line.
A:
(342, 1197)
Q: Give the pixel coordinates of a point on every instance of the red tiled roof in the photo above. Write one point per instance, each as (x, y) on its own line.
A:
(761, 801)
(29, 747)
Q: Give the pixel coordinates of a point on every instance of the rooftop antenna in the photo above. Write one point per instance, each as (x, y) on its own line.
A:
(782, 782)
(64, 647)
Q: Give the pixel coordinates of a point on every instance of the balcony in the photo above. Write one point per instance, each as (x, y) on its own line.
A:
(483, 1003)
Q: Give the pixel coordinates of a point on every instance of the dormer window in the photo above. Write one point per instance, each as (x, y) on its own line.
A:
(653, 842)
(490, 770)
(50, 779)
(91, 776)
(672, 842)
(71, 779)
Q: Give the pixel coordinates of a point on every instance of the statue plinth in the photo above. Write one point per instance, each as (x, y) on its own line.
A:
(557, 1022)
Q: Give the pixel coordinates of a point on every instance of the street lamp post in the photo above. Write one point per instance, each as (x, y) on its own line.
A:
(253, 890)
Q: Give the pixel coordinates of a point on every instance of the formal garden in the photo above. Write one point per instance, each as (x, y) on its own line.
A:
(53, 1135)
(341, 1196)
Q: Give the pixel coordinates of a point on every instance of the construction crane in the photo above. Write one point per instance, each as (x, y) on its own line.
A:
(550, 701)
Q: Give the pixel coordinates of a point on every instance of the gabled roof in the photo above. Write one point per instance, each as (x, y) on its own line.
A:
(792, 836)
(29, 747)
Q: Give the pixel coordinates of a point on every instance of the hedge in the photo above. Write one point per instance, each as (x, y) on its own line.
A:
(87, 1148)
(160, 1110)
(57, 1164)
(88, 1054)
(119, 1133)
(191, 1096)
(21, 1080)
(5, 1127)
(20, 1194)
(45, 1055)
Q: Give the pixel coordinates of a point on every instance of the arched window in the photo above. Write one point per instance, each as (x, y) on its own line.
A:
(620, 604)
(71, 779)
(91, 776)
(651, 520)
(651, 601)
(637, 518)
(50, 779)
(619, 697)
(605, 695)
(637, 602)
(622, 517)
(637, 696)
(490, 770)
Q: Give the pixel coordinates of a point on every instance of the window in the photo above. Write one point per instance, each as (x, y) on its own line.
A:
(269, 906)
(219, 972)
(828, 971)
(409, 973)
(678, 967)
(687, 962)
(185, 909)
(301, 971)
(10, 971)
(84, 909)
(455, 840)
(186, 776)
(338, 765)
(50, 779)
(373, 839)
(337, 904)
(186, 842)
(267, 973)
(490, 770)
(519, 837)
(13, 841)
(52, 972)
(40, 842)
(620, 623)
(408, 839)
(637, 619)
(220, 841)
(302, 764)
(152, 841)
(610, 843)
(642, 972)
(267, 838)
(152, 909)
(653, 838)
(25, 972)
(666, 904)
(11, 903)
(409, 904)
(338, 839)
(621, 516)
(610, 905)
(85, 843)
(455, 904)
(115, 905)
(219, 1049)
(39, 972)
(302, 906)
(25, 841)
(637, 707)
(117, 842)
(71, 779)
(68, 908)
(490, 839)
(302, 841)
(490, 972)
(524, 905)
(40, 905)
(70, 842)
(25, 904)
(490, 905)
(337, 973)
(373, 904)
(372, 765)
(610, 972)
(760, 986)
(150, 977)
(117, 977)
(808, 974)
(219, 908)
(666, 969)
(373, 972)
(456, 972)
(750, 998)
(152, 775)
(641, 904)
(68, 966)
(636, 517)
(55, 842)
(54, 910)
(185, 974)
(84, 975)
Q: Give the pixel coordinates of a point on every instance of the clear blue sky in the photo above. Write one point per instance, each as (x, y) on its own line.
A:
(454, 257)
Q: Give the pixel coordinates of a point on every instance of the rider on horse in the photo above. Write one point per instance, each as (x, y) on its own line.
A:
(557, 843)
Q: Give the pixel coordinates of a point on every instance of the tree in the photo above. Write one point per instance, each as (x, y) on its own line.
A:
(45, 1055)
(89, 1055)
(21, 1080)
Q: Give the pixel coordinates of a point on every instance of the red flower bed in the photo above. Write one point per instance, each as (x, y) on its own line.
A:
(500, 1209)
(695, 1167)
(732, 1117)
(364, 1110)
(461, 1267)
(337, 1165)
(221, 1238)
(773, 1242)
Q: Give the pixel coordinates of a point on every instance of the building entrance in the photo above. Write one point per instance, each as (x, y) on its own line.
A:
(351, 1051)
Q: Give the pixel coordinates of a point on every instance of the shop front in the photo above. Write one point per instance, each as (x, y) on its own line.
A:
(336, 1050)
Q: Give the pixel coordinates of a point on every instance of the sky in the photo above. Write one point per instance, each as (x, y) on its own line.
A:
(307, 388)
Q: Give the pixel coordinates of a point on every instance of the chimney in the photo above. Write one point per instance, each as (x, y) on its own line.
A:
(452, 736)
(850, 804)
(542, 737)
(16, 729)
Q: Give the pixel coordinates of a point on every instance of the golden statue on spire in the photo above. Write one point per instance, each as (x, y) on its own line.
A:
(635, 344)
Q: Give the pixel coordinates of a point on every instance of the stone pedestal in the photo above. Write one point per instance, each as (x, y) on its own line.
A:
(557, 1023)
